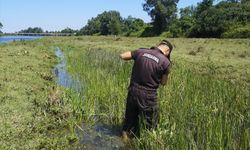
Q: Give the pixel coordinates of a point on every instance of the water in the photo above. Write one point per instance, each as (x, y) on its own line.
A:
(8, 39)
(63, 78)
(97, 136)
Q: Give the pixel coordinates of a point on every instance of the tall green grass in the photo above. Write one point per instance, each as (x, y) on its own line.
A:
(197, 111)
(200, 108)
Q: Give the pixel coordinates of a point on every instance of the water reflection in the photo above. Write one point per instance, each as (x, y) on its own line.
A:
(63, 77)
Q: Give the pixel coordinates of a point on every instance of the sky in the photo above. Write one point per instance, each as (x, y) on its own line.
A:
(56, 15)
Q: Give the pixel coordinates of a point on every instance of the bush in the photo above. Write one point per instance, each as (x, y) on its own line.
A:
(136, 34)
(149, 32)
(166, 34)
(238, 32)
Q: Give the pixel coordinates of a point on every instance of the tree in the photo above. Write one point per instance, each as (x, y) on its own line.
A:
(210, 23)
(32, 30)
(214, 20)
(162, 12)
(133, 26)
(111, 23)
(107, 23)
(182, 27)
(68, 30)
(244, 1)
(1, 25)
(203, 6)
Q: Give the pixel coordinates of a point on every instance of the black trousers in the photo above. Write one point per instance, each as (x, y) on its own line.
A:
(141, 103)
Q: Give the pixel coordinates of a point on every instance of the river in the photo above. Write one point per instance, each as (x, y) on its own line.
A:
(8, 39)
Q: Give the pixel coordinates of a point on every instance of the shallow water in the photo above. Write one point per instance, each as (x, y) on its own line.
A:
(63, 78)
(97, 136)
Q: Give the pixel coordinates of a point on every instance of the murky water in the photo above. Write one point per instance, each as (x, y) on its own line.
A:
(97, 136)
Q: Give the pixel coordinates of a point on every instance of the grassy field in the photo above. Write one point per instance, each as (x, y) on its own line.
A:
(34, 112)
(204, 106)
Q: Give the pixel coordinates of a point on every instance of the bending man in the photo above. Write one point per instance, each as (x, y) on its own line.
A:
(151, 68)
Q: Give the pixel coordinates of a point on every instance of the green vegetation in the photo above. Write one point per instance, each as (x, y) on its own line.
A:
(111, 23)
(163, 13)
(34, 111)
(1, 25)
(204, 106)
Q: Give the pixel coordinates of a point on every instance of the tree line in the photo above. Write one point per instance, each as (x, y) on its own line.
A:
(40, 30)
(1, 25)
(225, 19)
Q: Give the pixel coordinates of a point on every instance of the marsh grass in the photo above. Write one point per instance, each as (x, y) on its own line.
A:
(204, 106)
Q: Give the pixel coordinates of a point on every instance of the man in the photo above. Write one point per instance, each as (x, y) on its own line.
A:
(151, 68)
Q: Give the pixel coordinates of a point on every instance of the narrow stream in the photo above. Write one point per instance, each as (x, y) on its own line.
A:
(97, 136)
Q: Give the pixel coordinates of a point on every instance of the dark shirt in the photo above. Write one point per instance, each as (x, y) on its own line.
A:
(149, 67)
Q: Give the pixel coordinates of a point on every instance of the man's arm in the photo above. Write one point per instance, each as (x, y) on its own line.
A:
(126, 55)
(164, 79)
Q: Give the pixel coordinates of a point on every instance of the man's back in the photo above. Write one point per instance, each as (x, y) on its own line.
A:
(149, 67)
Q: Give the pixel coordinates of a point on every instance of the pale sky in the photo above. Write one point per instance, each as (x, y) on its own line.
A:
(55, 15)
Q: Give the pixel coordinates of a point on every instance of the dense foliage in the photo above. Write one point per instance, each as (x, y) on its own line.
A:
(229, 18)
(162, 13)
(214, 20)
(1, 25)
(111, 23)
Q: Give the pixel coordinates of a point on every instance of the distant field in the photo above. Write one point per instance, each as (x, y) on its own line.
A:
(204, 106)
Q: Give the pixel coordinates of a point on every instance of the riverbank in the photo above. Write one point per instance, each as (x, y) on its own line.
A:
(34, 111)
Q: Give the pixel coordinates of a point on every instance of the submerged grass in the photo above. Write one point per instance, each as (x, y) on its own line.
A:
(204, 106)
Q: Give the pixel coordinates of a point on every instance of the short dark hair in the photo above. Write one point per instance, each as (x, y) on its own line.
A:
(166, 42)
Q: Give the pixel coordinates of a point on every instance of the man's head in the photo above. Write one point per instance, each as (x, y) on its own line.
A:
(166, 47)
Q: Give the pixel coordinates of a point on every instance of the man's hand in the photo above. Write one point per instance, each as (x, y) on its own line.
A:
(126, 55)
